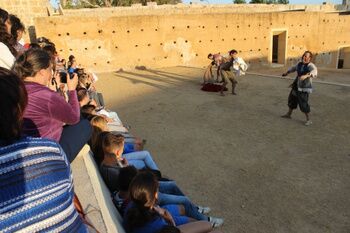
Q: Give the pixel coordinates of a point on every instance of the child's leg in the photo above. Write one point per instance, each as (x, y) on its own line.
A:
(144, 156)
(190, 209)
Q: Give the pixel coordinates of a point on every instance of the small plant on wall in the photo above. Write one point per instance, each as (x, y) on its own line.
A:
(270, 1)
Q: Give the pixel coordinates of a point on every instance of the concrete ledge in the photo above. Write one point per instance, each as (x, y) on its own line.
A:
(110, 214)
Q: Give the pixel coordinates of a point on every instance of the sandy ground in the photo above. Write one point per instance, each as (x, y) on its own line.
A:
(236, 154)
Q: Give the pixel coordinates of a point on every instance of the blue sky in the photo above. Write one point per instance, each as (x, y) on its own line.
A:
(230, 1)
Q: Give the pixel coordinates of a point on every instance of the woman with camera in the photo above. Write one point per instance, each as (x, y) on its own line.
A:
(48, 115)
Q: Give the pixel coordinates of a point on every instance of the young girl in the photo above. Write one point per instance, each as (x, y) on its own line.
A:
(143, 215)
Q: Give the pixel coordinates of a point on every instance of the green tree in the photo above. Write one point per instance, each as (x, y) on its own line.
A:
(269, 1)
(239, 1)
(109, 3)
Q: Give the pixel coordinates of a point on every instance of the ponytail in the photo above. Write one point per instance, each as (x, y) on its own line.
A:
(31, 62)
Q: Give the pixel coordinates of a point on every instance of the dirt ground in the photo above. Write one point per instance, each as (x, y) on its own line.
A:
(236, 154)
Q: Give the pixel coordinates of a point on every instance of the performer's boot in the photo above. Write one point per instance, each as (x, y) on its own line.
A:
(234, 84)
(222, 89)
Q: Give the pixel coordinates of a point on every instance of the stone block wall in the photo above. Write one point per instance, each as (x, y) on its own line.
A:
(27, 10)
(107, 42)
(108, 39)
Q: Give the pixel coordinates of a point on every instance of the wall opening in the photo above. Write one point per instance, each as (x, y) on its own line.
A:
(279, 47)
(344, 58)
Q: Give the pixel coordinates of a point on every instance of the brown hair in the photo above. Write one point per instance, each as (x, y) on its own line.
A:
(142, 193)
(99, 121)
(14, 99)
(82, 93)
(17, 25)
(4, 15)
(111, 142)
(97, 147)
(7, 39)
(88, 109)
(309, 52)
(31, 62)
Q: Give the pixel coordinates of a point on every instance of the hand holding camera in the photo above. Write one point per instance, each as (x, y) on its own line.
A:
(72, 82)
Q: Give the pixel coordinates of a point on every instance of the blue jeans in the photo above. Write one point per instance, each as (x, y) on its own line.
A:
(141, 159)
(170, 193)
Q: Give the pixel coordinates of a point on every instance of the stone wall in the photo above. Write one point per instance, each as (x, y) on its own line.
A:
(27, 10)
(109, 41)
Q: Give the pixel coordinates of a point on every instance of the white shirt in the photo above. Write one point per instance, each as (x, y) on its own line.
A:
(6, 58)
(239, 66)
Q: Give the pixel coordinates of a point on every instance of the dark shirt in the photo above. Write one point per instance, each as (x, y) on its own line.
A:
(110, 175)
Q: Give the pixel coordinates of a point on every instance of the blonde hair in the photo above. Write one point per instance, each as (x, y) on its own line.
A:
(99, 124)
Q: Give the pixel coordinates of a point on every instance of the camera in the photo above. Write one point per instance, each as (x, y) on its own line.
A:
(63, 76)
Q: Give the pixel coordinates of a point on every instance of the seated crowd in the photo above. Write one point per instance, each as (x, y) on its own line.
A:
(51, 109)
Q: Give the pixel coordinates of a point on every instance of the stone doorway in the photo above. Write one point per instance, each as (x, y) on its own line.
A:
(279, 47)
(344, 58)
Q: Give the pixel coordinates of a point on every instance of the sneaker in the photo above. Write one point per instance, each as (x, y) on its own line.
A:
(203, 209)
(307, 123)
(216, 222)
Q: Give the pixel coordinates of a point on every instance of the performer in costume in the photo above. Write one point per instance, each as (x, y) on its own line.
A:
(302, 86)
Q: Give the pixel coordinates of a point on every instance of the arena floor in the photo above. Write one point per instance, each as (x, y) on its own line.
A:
(236, 154)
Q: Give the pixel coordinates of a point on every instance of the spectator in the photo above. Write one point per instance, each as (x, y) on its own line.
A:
(17, 30)
(144, 215)
(113, 146)
(71, 59)
(168, 192)
(99, 124)
(4, 19)
(36, 184)
(7, 42)
(47, 110)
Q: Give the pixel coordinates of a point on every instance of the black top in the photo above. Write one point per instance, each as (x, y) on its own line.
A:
(110, 175)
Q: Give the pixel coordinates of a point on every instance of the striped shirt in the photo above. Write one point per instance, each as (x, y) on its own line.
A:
(36, 188)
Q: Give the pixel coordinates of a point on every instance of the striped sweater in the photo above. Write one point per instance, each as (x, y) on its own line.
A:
(36, 188)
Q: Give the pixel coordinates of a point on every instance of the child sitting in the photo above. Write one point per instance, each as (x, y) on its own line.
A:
(143, 213)
(113, 145)
(99, 124)
(168, 193)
